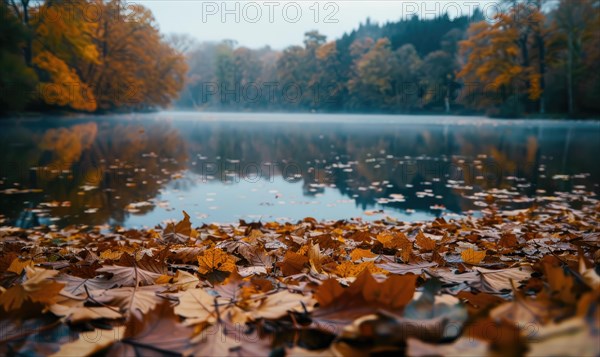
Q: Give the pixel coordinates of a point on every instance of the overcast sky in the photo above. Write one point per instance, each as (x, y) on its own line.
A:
(283, 23)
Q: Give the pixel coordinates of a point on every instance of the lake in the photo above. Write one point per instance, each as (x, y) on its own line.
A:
(145, 169)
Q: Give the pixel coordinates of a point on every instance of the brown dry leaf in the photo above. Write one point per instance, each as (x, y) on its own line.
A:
(315, 257)
(74, 310)
(76, 285)
(251, 271)
(523, 310)
(385, 329)
(479, 301)
(227, 339)
(500, 279)
(561, 284)
(215, 259)
(180, 232)
(504, 338)
(361, 236)
(472, 257)
(186, 254)
(339, 307)
(427, 244)
(461, 347)
(198, 305)
(292, 263)
(256, 255)
(183, 281)
(90, 342)
(158, 333)
(401, 269)
(133, 301)
(216, 340)
(508, 240)
(129, 276)
(39, 287)
(328, 292)
(279, 304)
(394, 240)
(394, 293)
(152, 264)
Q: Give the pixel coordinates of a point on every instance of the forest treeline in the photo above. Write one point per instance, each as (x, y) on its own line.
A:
(85, 55)
(534, 58)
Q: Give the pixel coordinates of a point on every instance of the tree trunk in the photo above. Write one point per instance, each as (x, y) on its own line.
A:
(542, 69)
(570, 74)
(27, 51)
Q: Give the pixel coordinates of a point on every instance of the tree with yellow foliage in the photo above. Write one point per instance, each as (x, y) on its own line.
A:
(500, 61)
(137, 69)
(92, 55)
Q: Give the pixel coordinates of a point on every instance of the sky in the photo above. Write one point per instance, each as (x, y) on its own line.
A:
(283, 23)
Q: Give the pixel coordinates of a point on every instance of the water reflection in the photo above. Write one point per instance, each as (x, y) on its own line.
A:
(141, 170)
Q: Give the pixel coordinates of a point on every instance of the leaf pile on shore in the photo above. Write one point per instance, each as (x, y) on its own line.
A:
(507, 283)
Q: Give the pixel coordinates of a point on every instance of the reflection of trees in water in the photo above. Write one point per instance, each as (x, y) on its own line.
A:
(103, 165)
(352, 158)
(131, 161)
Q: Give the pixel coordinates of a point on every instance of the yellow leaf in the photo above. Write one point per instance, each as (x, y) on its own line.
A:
(18, 265)
(110, 255)
(360, 254)
(473, 257)
(215, 259)
(349, 269)
(163, 279)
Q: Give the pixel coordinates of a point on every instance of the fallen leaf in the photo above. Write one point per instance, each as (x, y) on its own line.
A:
(461, 347)
(129, 276)
(279, 304)
(133, 301)
(157, 332)
(427, 244)
(361, 255)
(215, 259)
(180, 232)
(292, 263)
(37, 288)
(472, 257)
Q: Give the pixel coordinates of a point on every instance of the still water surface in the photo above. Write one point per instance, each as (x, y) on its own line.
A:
(142, 170)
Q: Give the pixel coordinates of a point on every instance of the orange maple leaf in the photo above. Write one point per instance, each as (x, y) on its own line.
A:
(215, 259)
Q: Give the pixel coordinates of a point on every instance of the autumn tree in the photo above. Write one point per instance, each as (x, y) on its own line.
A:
(137, 69)
(372, 81)
(327, 81)
(62, 42)
(90, 55)
(499, 60)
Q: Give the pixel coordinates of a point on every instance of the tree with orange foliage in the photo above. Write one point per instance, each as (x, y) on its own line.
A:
(137, 69)
(91, 55)
(500, 61)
